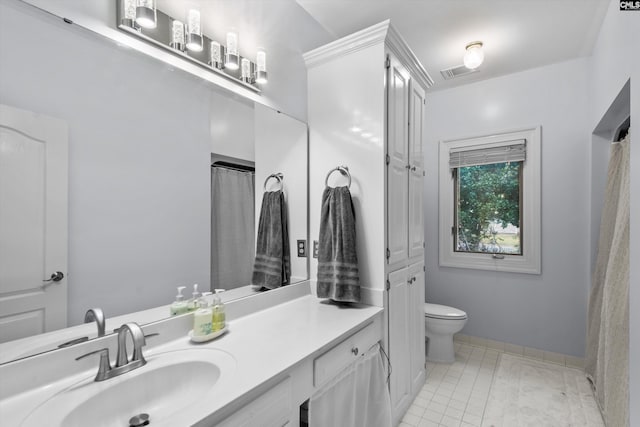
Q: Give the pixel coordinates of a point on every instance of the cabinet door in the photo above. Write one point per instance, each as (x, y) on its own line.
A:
(399, 338)
(416, 125)
(416, 326)
(416, 214)
(416, 172)
(397, 149)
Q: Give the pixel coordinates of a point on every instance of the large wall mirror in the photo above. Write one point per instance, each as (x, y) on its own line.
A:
(141, 141)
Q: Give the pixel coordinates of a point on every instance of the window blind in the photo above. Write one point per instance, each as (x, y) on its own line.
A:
(502, 152)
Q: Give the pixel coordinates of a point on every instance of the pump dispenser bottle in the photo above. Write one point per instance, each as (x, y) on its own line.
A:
(202, 318)
(192, 305)
(219, 316)
(179, 306)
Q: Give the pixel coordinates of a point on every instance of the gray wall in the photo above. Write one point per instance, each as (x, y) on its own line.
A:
(546, 311)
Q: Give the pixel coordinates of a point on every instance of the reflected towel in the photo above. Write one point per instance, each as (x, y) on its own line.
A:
(272, 268)
(338, 277)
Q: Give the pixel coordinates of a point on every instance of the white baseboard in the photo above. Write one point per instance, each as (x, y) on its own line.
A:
(531, 353)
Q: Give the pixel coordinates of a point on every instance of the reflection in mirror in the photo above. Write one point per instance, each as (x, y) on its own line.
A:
(140, 138)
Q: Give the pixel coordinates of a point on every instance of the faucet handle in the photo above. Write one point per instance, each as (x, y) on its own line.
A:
(104, 366)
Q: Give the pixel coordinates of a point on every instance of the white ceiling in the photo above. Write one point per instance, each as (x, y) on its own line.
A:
(517, 34)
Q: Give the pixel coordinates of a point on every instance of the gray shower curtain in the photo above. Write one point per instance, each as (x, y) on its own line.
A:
(232, 227)
(607, 355)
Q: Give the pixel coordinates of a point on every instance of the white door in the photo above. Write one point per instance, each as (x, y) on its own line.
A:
(416, 173)
(33, 223)
(399, 348)
(416, 325)
(397, 149)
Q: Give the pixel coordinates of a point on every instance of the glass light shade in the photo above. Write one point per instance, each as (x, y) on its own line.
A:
(215, 51)
(474, 55)
(261, 63)
(231, 58)
(245, 70)
(194, 31)
(146, 13)
(177, 35)
(130, 9)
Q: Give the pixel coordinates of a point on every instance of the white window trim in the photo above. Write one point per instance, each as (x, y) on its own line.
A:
(530, 262)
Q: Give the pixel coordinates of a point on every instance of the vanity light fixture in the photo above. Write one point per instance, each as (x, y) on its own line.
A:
(185, 39)
(245, 70)
(129, 12)
(261, 64)
(474, 55)
(231, 56)
(146, 13)
(215, 53)
(177, 35)
(194, 31)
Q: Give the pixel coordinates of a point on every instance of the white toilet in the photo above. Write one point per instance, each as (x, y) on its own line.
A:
(441, 322)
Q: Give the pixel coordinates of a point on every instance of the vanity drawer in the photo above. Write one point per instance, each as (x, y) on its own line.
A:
(339, 357)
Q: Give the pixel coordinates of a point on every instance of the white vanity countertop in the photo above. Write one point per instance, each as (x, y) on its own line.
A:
(265, 345)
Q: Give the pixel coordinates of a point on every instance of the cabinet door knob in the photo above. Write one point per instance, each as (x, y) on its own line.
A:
(413, 168)
(355, 351)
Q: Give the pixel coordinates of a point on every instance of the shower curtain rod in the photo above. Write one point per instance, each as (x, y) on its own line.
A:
(233, 166)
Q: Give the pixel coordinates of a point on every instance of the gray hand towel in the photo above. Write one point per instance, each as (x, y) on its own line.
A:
(338, 277)
(271, 268)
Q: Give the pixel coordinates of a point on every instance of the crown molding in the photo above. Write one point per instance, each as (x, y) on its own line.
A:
(383, 32)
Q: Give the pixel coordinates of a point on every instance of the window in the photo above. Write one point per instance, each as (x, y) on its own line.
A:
(490, 202)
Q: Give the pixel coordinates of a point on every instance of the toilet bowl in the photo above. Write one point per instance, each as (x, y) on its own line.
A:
(441, 322)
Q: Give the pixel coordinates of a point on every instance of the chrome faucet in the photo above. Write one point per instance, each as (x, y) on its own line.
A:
(97, 315)
(123, 363)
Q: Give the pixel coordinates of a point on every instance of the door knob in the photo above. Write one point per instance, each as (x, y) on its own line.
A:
(55, 277)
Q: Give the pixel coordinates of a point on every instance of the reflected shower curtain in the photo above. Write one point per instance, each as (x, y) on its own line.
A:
(607, 356)
(232, 227)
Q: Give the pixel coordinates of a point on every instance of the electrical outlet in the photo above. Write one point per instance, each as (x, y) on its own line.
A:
(315, 249)
(302, 248)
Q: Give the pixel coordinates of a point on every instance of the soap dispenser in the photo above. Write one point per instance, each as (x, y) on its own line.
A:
(192, 305)
(202, 318)
(219, 317)
(179, 306)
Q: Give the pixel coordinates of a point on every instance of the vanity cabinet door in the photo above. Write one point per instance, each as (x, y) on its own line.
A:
(271, 409)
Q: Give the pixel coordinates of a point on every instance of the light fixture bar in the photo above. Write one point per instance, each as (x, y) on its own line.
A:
(213, 56)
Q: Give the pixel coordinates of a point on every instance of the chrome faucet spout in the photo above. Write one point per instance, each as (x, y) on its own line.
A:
(137, 335)
(96, 314)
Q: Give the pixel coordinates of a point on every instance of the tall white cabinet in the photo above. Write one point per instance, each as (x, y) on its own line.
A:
(366, 111)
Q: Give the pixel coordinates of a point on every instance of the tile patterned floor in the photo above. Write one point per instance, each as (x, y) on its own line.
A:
(455, 395)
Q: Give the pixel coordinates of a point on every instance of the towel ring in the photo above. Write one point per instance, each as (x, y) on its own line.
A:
(344, 170)
(278, 176)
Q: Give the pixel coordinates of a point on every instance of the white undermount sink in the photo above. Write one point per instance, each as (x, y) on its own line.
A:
(164, 388)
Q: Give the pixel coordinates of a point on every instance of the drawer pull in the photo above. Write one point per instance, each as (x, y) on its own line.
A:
(354, 350)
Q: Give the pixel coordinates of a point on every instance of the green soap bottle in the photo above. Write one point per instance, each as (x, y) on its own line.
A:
(192, 304)
(219, 316)
(179, 306)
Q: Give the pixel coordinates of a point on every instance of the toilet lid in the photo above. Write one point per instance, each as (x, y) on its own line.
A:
(438, 311)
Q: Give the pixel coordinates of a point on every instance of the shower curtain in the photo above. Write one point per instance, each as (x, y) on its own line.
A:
(607, 358)
(232, 227)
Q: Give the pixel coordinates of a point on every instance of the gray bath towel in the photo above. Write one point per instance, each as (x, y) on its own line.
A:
(272, 267)
(338, 277)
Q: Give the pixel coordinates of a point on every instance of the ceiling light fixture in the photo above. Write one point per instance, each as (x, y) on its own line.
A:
(474, 55)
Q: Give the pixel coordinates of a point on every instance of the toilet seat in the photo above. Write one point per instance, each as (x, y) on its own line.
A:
(437, 311)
